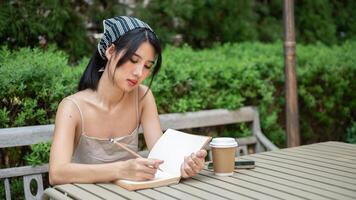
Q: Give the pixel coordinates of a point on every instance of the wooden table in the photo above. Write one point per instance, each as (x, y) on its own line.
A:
(317, 171)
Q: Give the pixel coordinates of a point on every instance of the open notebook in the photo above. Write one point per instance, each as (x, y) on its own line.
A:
(171, 147)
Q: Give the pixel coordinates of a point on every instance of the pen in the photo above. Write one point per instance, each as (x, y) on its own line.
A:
(129, 150)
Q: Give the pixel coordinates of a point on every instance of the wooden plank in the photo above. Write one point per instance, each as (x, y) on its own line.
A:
(223, 189)
(123, 192)
(23, 171)
(291, 158)
(246, 140)
(27, 135)
(76, 192)
(321, 154)
(7, 189)
(256, 131)
(304, 157)
(103, 193)
(27, 184)
(155, 194)
(51, 193)
(326, 150)
(199, 192)
(254, 190)
(310, 169)
(260, 174)
(295, 165)
(277, 166)
(176, 193)
(289, 175)
(339, 149)
(21, 136)
(261, 183)
(206, 118)
(341, 145)
(231, 184)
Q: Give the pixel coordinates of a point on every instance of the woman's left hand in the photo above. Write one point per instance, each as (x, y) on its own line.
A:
(193, 164)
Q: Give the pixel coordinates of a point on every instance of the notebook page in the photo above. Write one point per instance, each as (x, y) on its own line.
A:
(173, 146)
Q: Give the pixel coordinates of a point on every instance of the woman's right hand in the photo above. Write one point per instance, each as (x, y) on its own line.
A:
(139, 169)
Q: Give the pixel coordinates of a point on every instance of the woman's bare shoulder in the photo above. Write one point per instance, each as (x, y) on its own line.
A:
(144, 91)
(68, 103)
(80, 95)
(146, 97)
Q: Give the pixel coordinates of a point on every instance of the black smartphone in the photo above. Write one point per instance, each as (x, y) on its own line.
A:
(240, 164)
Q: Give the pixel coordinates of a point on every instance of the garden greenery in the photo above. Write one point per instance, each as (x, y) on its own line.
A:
(33, 82)
(200, 23)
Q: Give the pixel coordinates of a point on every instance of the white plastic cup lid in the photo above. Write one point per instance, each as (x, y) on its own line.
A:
(223, 142)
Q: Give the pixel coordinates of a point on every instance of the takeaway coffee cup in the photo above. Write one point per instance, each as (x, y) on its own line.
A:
(224, 149)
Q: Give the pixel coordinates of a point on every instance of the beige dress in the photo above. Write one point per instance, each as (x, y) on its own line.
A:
(94, 150)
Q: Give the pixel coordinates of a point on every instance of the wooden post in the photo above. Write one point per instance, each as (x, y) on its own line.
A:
(292, 118)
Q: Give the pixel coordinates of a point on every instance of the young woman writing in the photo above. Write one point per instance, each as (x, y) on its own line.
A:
(109, 107)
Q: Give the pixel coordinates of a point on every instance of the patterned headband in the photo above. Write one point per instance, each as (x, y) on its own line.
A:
(116, 27)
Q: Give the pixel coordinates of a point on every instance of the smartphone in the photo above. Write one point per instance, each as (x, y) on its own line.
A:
(240, 164)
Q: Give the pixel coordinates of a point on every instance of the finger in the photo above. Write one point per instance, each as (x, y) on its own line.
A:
(183, 173)
(142, 168)
(158, 163)
(193, 164)
(153, 163)
(188, 171)
(146, 166)
(187, 168)
(202, 153)
(199, 163)
(146, 176)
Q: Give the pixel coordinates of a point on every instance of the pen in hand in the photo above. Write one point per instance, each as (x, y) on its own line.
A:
(123, 146)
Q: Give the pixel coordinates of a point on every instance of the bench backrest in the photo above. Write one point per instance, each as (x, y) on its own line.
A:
(28, 135)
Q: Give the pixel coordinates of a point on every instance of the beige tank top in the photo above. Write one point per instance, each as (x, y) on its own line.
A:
(94, 150)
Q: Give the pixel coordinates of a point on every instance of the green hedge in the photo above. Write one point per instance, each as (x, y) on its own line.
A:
(32, 83)
(205, 22)
(201, 23)
(24, 23)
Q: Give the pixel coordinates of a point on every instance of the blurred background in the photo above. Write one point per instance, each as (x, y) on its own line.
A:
(72, 25)
(217, 54)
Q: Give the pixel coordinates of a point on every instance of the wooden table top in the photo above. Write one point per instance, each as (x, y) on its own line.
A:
(318, 171)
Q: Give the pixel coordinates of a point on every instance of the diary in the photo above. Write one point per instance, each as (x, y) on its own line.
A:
(171, 147)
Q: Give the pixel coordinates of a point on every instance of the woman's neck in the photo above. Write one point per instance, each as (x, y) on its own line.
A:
(109, 95)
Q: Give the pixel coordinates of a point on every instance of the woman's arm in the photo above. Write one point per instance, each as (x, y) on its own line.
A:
(194, 163)
(149, 117)
(62, 171)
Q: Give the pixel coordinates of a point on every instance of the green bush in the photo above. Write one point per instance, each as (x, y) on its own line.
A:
(205, 22)
(33, 81)
(350, 136)
(326, 90)
(200, 23)
(16, 189)
(39, 154)
(23, 23)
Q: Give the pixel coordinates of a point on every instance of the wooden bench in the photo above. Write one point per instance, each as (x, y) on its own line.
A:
(22, 136)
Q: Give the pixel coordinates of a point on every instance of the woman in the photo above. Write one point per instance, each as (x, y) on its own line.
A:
(109, 107)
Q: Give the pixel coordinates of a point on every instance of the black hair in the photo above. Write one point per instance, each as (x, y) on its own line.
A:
(128, 43)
